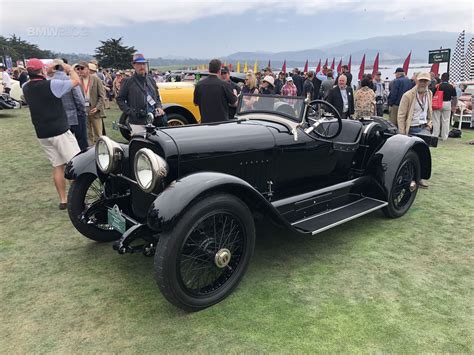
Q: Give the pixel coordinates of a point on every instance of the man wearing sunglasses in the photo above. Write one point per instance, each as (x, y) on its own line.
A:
(94, 94)
(139, 96)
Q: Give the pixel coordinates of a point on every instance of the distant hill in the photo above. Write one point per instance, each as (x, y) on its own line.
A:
(393, 49)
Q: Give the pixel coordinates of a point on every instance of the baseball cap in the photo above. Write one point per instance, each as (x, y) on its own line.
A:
(399, 70)
(424, 76)
(289, 78)
(34, 64)
(83, 63)
(139, 58)
(224, 70)
(92, 66)
(378, 73)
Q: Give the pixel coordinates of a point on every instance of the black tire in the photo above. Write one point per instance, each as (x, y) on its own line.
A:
(188, 245)
(175, 119)
(77, 199)
(126, 132)
(401, 197)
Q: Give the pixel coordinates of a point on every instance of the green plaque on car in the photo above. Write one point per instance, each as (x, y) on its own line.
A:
(116, 220)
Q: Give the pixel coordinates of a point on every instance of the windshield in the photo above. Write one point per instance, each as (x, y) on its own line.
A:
(291, 107)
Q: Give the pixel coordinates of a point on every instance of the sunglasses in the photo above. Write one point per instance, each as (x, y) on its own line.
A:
(80, 68)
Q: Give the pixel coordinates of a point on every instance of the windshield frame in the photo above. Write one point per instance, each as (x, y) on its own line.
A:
(294, 119)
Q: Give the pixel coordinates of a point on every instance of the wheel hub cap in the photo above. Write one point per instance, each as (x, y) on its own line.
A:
(222, 258)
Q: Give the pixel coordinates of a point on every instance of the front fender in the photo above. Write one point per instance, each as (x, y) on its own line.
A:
(385, 162)
(181, 194)
(82, 163)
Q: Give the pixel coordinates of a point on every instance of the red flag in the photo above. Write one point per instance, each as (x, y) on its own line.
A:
(362, 67)
(435, 68)
(305, 70)
(350, 62)
(333, 63)
(406, 64)
(318, 69)
(326, 63)
(339, 66)
(283, 68)
(230, 67)
(376, 65)
(269, 64)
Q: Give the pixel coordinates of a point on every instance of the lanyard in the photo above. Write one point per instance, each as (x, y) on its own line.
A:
(422, 104)
(86, 88)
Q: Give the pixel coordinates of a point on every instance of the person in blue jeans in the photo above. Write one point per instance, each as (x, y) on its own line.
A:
(399, 86)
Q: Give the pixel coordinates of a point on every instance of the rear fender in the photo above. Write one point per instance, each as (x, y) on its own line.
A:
(181, 194)
(385, 162)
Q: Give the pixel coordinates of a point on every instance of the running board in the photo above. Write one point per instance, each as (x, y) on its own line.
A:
(332, 218)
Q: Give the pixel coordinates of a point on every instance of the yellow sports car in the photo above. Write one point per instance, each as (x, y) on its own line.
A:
(177, 99)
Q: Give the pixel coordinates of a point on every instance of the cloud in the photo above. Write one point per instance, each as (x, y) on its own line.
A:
(449, 15)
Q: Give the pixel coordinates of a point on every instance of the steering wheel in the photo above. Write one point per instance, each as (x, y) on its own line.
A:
(327, 119)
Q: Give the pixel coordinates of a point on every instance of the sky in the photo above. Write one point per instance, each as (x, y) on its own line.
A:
(204, 29)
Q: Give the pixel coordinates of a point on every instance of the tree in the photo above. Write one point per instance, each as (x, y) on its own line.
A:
(112, 54)
(18, 49)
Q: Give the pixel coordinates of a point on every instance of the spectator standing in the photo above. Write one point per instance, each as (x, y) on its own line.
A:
(298, 81)
(6, 80)
(250, 86)
(442, 117)
(214, 96)
(139, 96)
(415, 112)
(308, 87)
(73, 103)
(109, 89)
(116, 84)
(327, 85)
(279, 82)
(50, 121)
(347, 73)
(379, 89)
(268, 86)
(225, 75)
(364, 99)
(23, 77)
(289, 89)
(342, 97)
(401, 85)
(94, 94)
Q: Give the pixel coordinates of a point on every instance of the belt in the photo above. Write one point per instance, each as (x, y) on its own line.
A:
(420, 126)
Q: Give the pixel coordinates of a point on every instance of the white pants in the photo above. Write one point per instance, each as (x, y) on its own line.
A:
(441, 120)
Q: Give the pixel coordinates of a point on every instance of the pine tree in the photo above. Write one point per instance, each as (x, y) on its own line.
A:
(112, 54)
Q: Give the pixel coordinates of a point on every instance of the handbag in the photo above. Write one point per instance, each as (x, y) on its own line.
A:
(437, 103)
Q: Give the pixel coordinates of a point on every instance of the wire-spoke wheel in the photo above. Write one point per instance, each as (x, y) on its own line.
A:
(204, 257)
(87, 211)
(404, 187)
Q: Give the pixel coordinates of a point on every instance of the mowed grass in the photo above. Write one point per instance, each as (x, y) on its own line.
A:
(371, 285)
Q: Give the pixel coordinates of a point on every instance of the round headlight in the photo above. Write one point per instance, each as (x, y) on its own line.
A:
(150, 168)
(107, 154)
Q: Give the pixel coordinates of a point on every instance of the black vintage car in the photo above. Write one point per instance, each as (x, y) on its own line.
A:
(189, 195)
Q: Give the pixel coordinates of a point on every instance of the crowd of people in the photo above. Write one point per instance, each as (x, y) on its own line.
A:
(68, 103)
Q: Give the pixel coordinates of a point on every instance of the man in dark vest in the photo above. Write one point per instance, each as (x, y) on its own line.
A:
(50, 120)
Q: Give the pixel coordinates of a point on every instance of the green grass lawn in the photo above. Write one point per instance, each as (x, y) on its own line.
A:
(371, 285)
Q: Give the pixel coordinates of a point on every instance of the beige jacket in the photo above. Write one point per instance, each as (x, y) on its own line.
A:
(406, 108)
(96, 94)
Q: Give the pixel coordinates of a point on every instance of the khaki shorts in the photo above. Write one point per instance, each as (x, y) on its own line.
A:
(60, 149)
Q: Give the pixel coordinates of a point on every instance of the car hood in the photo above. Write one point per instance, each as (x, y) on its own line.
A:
(204, 140)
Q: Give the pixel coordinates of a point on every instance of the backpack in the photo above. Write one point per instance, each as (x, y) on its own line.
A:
(455, 133)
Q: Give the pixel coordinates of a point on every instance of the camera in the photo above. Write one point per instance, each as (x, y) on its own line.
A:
(141, 114)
